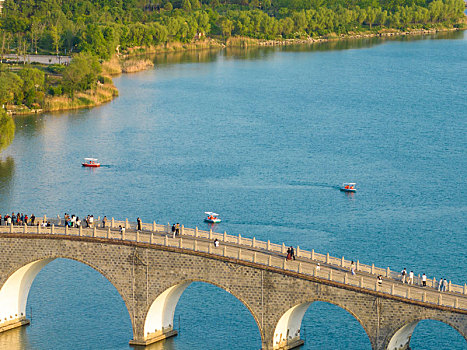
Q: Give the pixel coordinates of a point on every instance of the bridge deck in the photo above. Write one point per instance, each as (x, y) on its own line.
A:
(264, 254)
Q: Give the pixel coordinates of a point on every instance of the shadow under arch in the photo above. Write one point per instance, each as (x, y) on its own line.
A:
(400, 339)
(160, 314)
(15, 290)
(289, 327)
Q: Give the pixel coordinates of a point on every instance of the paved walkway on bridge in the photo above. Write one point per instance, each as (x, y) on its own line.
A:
(246, 250)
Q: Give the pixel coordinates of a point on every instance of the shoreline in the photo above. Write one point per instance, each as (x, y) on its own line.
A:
(362, 35)
(125, 63)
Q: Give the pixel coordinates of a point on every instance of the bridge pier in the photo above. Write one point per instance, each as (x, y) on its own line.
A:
(290, 344)
(155, 337)
(18, 322)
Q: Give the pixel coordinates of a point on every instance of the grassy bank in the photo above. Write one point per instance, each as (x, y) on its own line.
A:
(101, 94)
(131, 54)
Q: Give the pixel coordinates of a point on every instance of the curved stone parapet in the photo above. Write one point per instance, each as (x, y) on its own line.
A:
(151, 277)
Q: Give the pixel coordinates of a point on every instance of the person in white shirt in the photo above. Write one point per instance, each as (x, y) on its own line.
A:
(411, 277)
(403, 275)
(423, 280)
(216, 243)
(352, 268)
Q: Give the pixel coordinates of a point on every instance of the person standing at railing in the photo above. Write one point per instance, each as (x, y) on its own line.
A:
(91, 221)
(380, 280)
(177, 229)
(33, 219)
(352, 268)
(403, 275)
(104, 221)
(0, 219)
(173, 231)
(423, 280)
(411, 277)
(138, 221)
(216, 243)
(292, 253)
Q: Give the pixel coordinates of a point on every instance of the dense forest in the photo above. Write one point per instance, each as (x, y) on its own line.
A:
(102, 26)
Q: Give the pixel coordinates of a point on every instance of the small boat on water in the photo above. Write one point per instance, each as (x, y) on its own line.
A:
(348, 187)
(211, 217)
(91, 163)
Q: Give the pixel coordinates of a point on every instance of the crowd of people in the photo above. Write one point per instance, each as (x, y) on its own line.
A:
(18, 219)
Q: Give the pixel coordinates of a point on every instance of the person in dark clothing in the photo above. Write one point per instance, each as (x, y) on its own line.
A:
(138, 220)
(292, 253)
(289, 254)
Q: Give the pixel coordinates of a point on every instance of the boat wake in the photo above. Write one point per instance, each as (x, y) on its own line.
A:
(306, 184)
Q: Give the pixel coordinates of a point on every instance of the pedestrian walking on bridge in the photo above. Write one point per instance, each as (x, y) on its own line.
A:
(138, 220)
(411, 277)
(404, 275)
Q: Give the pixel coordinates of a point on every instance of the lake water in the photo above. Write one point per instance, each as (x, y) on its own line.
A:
(264, 137)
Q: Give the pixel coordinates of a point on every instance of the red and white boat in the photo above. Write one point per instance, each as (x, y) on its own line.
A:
(348, 187)
(91, 163)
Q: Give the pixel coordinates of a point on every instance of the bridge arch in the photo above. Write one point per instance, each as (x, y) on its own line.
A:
(400, 337)
(160, 314)
(288, 328)
(18, 281)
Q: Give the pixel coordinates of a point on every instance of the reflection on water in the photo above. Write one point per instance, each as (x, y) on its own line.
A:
(7, 171)
(261, 52)
(15, 339)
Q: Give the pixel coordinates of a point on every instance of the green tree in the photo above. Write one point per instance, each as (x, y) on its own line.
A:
(54, 33)
(186, 5)
(81, 74)
(371, 15)
(33, 85)
(10, 88)
(226, 26)
(37, 28)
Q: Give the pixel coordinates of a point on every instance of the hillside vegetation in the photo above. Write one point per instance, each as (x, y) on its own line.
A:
(104, 26)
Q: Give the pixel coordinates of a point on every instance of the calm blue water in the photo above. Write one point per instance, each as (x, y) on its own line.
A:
(262, 137)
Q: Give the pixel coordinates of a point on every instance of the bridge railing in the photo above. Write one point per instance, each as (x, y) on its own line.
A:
(250, 249)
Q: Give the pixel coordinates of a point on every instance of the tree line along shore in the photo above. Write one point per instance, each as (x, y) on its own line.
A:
(98, 33)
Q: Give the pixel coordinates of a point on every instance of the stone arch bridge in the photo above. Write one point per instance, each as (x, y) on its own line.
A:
(151, 268)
